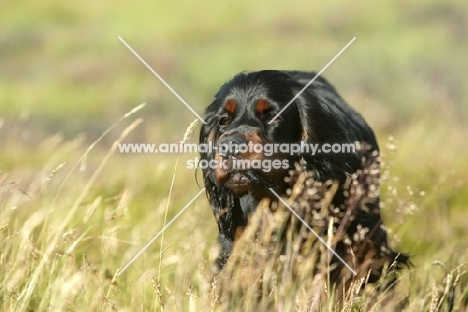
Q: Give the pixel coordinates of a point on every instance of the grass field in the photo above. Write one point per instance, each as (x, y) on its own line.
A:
(73, 210)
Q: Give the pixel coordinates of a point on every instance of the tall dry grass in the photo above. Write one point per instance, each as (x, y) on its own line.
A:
(66, 232)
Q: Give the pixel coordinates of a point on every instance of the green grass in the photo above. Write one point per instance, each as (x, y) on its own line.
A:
(65, 78)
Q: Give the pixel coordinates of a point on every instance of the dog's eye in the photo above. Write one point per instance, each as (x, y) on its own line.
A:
(224, 121)
(270, 114)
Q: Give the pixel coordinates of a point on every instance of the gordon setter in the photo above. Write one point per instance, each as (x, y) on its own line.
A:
(244, 112)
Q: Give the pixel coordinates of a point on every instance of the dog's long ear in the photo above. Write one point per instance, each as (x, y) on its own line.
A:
(207, 140)
(225, 207)
(323, 123)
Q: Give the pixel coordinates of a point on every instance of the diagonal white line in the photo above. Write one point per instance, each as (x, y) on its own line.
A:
(313, 79)
(162, 80)
(157, 235)
(315, 233)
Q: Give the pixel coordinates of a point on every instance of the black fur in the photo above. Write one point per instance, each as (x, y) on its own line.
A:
(318, 115)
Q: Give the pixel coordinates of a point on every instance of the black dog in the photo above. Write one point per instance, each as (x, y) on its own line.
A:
(241, 115)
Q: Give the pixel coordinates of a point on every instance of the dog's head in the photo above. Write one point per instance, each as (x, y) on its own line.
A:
(241, 127)
(246, 132)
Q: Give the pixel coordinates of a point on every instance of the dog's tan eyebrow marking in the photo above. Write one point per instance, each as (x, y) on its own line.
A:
(262, 105)
(230, 106)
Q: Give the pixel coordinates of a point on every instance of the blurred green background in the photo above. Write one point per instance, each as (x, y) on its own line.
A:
(64, 68)
(65, 78)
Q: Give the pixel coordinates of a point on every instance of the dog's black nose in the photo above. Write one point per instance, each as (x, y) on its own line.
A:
(231, 146)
